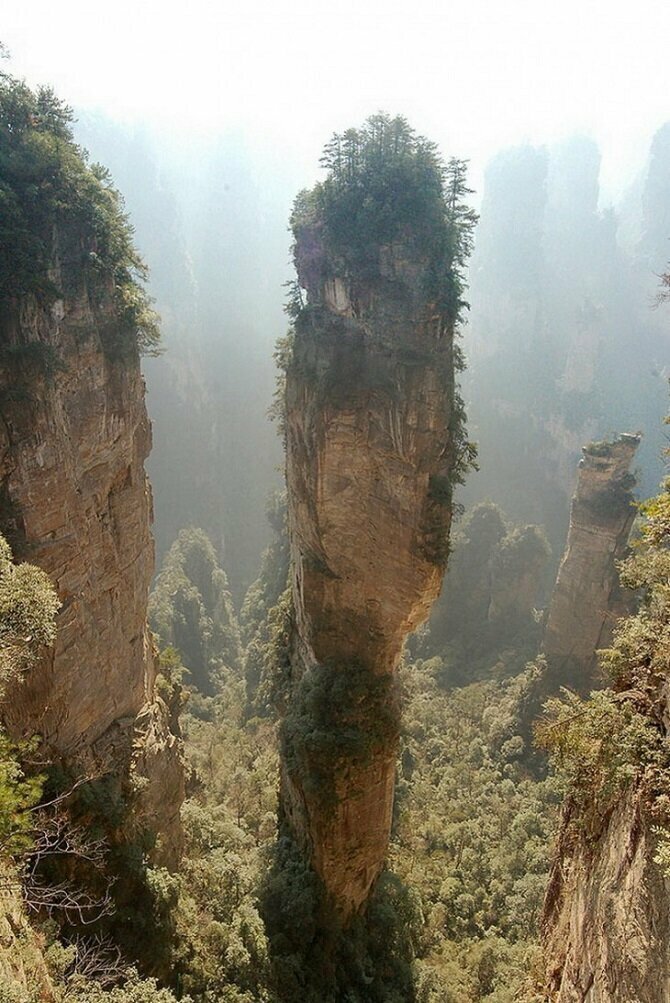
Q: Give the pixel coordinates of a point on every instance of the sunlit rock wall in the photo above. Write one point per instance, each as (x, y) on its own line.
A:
(369, 456)
(587, 599)
(75, 500)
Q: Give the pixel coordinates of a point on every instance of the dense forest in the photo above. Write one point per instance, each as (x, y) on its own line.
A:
(160, 807)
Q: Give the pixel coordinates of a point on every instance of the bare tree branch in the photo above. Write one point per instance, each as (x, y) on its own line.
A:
(98, 959)
(78, 905)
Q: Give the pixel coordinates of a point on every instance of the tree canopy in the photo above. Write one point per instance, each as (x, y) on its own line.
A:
(385, 183)
(56, 209)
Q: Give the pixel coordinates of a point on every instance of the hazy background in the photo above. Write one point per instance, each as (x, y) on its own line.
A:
(474, 76)
(212, 117)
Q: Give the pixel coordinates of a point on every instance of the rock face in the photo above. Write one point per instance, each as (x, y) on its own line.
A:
(75, 500)
(587, 599)
(606, 921)
(606, 924)
(369, 454)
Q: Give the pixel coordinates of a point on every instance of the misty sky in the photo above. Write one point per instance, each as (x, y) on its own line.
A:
(475, 75)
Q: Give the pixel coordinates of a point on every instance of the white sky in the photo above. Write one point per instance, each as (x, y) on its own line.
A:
(474, 75)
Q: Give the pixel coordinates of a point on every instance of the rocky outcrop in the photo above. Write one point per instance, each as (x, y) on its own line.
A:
(75, 500)
(606, 919)
(606, 924)
(587, 599)
(369, 443)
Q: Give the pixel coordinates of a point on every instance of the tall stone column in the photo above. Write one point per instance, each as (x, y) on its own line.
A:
(371, 425)
(587, 599)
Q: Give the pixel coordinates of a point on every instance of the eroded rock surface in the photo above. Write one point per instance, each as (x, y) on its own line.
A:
(369, 412)
(587, 599)
(606, 918)
(606, 924)
(75, 500)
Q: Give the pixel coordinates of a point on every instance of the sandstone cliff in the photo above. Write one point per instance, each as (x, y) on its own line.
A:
(372, 434)
(74, 499)
(368, 407)
(587, 599)
(606, 922)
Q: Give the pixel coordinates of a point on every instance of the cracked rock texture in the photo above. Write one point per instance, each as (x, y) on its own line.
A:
(587, 599)
(606, 923)
(75, 500)
(369, 407)
(606, 918)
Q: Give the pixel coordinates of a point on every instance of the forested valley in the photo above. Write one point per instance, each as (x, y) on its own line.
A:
(385, 717)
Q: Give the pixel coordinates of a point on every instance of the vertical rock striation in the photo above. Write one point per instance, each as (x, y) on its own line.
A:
(587, 599)
(606, 921)
(75, 500)
(372, 435)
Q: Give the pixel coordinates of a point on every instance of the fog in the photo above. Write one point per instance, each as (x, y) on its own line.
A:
(211, 118)
(473, 77)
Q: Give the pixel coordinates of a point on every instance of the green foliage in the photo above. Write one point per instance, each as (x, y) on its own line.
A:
(385, 183)
(600, 448)
(33, 356)
(615, 741)
(104, 861)
(170, 682)
(34, 969)
(599, 747)
(520, 551)
(267, 662)
(191, 609)
(338, 716)
(244, 920)
(14, 993)
(134, 990)
(314, 959)
(219, 948)
(486, 614)
(472, 836)
(28, 607)
(282, 356)
(19, 793)
(387, 186)
(655, 531)
(615, 500)
(266, 617)
(55, 208)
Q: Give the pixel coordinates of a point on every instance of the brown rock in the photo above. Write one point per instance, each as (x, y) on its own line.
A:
(75, 500)
(606, 924)
(369, 398)
(587, 599)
